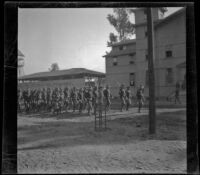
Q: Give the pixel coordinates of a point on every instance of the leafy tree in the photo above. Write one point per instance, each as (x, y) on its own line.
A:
(120, 21)
(112, 38)
(163, 9)
(54, 67)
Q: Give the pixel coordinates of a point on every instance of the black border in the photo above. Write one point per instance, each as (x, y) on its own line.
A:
(9, 128)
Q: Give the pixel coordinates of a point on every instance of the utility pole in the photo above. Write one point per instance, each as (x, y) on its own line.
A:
(151, 58)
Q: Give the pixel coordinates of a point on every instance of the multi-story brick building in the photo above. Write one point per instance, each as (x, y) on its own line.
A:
(127, 62)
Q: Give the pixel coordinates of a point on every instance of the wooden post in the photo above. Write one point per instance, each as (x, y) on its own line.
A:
(151, 56)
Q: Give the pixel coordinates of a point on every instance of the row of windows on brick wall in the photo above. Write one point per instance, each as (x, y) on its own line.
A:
(168, 54)
(116, 63)
(169, 77)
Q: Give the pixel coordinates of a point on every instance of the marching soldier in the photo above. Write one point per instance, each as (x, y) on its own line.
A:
(66, 98)
(43, 99)
(89, 100)
(122, 95)
(100, 100)
(40, 100)
(26, 100)
(80, 100)
(128, 98)
(56, 101)
(73, 98)
(84, 98)
(60, 99)
(36, 98)
(48, 98)
(107, 97)
(140, 97)
(94, 99)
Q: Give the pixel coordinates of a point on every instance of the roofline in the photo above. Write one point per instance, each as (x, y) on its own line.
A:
(159, 21)
(179, 12)
(107, 56)
(125, 42)
(70, 76)
(137, 9)
(26, 77)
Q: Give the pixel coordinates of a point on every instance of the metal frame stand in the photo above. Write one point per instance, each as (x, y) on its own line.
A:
(100, 119)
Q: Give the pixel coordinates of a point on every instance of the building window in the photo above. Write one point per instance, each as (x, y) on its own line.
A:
(146, 55)
(146, 34)
(115, 61)
(132, 79)
(147, 78)
(131, 61)
(122, 47)
(169, 76)
(168, 53)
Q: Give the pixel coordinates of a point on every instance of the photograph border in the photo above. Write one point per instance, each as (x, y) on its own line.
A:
(9, 120)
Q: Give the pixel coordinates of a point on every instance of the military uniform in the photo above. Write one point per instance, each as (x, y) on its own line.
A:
(80, 100)
(89, 100)
(74, 99)
(107, 97)
(66, 98)
(122, 95)
(140, 98)
(94, 99)
(26, 100)
(128, 98)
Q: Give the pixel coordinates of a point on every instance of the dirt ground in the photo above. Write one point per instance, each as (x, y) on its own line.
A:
(67, 143)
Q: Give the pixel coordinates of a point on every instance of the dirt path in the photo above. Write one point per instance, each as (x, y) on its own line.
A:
(70, 145)
(145, 156)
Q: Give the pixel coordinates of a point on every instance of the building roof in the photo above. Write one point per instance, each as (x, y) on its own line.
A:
(63, 74)
(125, 42)
(162, 21)
(157, 23)
(120, 52)
(173, 15)
(20, 53)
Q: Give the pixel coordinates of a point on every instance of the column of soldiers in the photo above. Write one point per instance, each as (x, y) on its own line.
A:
(90, 99)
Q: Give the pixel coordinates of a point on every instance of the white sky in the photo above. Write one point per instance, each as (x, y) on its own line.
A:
(72, 37)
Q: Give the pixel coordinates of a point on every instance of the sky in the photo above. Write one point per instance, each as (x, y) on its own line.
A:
(71, 37)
